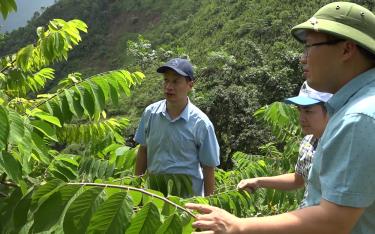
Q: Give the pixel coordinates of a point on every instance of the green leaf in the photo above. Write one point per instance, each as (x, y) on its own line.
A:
(102, 169)
(98, 95)
(114, 91)
(139, 76)
(147, 198)
(74, 103)
(65, 109)
(113, 216)
(123, 82)
(11, 166)
(68, 170)
(44, 191)
(136, 197)
(103, 85)
(54, 108)
(45, 116)
(4, 128)
(7, 207)
(21, 211)
(87, 101)
(39, 146)
(17, 128)
(81, 210)
(172, 225)
(51, 210)
(23, 56)
(45, 128)
(146, 221)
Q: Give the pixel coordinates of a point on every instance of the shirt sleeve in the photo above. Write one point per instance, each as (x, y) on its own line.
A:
(209, 151)
(140, 134)
(348, 162)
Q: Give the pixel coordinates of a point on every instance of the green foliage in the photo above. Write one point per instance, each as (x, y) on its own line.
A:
(171, 184)
(52, 142)
(7, 6)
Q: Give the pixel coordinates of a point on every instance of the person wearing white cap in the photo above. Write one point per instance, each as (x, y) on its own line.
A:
(313, 120)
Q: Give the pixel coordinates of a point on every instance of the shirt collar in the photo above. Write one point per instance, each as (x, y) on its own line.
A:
(185, 114)
(341, 97)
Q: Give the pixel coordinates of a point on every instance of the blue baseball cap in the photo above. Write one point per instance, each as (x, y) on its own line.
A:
(180, 66)
(308, 96)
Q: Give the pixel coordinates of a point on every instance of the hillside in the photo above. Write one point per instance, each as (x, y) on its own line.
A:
(244, 55)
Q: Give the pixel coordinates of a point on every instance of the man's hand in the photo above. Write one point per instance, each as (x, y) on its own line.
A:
(214, 220)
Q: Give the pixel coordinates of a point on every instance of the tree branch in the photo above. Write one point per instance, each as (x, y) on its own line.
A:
(138, 190)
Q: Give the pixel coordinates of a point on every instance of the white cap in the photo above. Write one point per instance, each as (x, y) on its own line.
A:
(308, 96)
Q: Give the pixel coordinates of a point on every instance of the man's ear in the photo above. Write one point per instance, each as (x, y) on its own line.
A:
(191, 83)
(350, 48)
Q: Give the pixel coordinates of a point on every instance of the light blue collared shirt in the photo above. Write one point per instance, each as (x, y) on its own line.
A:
(343, 170)
(178, 146)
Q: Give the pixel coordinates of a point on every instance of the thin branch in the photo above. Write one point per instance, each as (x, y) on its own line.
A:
(10, 184)
(138, 190)
(8, 66)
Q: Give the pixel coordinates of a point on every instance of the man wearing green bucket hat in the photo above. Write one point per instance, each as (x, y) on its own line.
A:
(339, 58)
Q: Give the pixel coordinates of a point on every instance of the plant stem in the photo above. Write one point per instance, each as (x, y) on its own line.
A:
(138, 190)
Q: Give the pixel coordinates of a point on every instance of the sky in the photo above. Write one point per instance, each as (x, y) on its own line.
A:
(25, 10)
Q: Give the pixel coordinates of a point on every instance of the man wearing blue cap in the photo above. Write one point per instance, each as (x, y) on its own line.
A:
(339, 58)
(313, 120)
(175, 136)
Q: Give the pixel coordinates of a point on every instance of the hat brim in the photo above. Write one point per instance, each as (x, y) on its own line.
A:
(163, 69)
(336, 29)
(301, 101)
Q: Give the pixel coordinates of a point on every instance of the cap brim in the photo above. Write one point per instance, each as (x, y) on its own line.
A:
(163, 69)
(301, 101)
(336, 29)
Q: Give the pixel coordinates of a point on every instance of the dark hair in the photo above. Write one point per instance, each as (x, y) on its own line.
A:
(367, 54)
(323, 106)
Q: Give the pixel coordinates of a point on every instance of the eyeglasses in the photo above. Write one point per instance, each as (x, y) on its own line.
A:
(330, 42)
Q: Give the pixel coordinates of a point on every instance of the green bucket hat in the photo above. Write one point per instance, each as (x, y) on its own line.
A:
(343, 20)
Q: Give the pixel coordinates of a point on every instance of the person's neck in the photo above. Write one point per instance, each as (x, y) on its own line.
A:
(174, 109)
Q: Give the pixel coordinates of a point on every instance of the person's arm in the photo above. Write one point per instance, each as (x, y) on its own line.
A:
(209, 180)
(141, 162)
(282, 182)
(325, 218)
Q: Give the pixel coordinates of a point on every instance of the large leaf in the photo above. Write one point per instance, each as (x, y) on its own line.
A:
(74, 103)
(7, 208)
(7, 6)
(146, 221)
(103, 85)
(17, 128)
(44, 191)
(80, 211)
(172, 225)
(45, 128)
(65, 109)
(113, 216)
(39, 146)
(11, 166)
(45, 116)
(21, 211)
(99, 96)
(4, 128)
(51, 210)
(87, 100)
